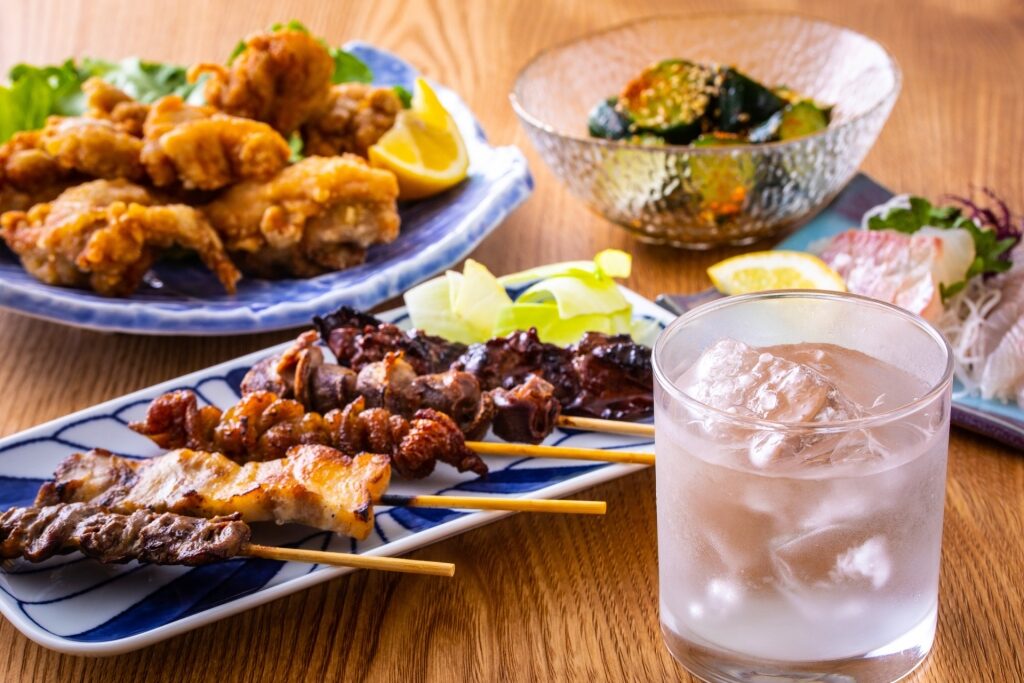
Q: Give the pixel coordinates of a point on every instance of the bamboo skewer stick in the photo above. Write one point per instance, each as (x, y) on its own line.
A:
(388, 564)
(607, 426)
(580, 507)
(561, 452)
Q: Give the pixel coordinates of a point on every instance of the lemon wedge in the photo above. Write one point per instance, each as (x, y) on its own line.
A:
(424, 148)
(760, 271)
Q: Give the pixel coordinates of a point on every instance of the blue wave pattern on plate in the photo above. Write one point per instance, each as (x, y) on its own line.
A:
(83, 603)
(184, 298)
(1000, 421)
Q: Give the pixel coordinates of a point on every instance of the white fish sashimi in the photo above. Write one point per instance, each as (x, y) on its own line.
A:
(889, 266)
(1008, 311)
(1002, 341)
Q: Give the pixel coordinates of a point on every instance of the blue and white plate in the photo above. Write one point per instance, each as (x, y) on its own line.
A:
(1001, 421)
(186, 299)
(78, 606)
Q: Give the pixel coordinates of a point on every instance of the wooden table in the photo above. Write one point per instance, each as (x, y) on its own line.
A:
(536, 597)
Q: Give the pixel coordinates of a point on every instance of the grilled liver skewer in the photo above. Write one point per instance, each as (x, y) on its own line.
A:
(601, 376)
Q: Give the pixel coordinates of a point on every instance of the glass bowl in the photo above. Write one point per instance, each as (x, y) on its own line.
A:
(703, 197)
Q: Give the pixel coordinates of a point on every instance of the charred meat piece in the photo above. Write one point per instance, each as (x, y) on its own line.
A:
(601, 376)
(527, 412)
(39, 533)
(615, 375)
(504, 362)
(393, 384)
(301, 373)
(314, 485)
(262, 426)
(358, 339)
(415, 445)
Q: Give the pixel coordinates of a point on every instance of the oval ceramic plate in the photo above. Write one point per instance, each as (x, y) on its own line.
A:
(185, 299)
(78, 606)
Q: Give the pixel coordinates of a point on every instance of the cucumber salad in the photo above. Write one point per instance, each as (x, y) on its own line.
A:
(679, 102)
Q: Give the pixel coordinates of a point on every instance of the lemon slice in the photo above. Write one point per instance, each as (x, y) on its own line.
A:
(423, 149)
(759, 271)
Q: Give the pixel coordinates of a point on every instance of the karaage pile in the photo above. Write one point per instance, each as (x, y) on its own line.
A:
(106, 234)
(94, 200)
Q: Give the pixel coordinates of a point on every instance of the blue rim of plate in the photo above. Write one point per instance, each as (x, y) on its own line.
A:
(82, 607)
(185, 299)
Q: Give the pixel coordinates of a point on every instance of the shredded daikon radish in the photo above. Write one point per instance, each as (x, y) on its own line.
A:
(962, 322)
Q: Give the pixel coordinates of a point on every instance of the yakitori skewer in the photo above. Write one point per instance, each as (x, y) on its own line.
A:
(600, 376)
(517, 384)
(262, 426)
(579, 507)
(387, 564)
(560, 452)
(593, 424)
(39, 533)
(314, 485)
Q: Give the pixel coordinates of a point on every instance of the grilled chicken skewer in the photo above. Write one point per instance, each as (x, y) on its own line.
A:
(524, 413)
(262, 426)
(601, 376)
(316, 486)
(39, 533)
(313, 485)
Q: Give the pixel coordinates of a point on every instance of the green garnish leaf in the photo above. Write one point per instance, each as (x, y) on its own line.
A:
(404, 95)
(239, 49)
(348, 68)
(988, 248)
(293, 25)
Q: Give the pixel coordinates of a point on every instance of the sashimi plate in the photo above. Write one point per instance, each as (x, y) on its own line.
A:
(78, 606)
(180, 298)
(1001, 421)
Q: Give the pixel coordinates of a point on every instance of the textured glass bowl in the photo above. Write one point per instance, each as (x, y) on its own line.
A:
(699, 198)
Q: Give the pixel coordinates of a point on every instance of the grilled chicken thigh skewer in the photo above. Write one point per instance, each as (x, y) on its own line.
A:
(313, 485)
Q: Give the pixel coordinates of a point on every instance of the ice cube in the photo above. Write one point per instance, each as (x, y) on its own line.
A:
(831, 569)
(741, 380)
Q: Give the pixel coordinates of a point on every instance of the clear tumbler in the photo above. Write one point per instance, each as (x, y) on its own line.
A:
(801, 442)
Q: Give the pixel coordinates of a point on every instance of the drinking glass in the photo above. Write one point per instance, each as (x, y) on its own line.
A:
(802, 550)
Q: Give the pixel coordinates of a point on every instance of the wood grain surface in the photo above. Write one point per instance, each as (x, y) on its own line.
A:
(536, 597)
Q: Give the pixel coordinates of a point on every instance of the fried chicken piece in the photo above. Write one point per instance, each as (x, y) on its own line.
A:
(356, 117)
(207, 150)
(104, 101)
(281, 78)
(28, 175)
(106, 234)
(94, 147)
(315, 216)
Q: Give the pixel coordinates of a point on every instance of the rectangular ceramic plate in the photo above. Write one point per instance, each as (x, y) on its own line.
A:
(79, 606)
(1001, 421)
